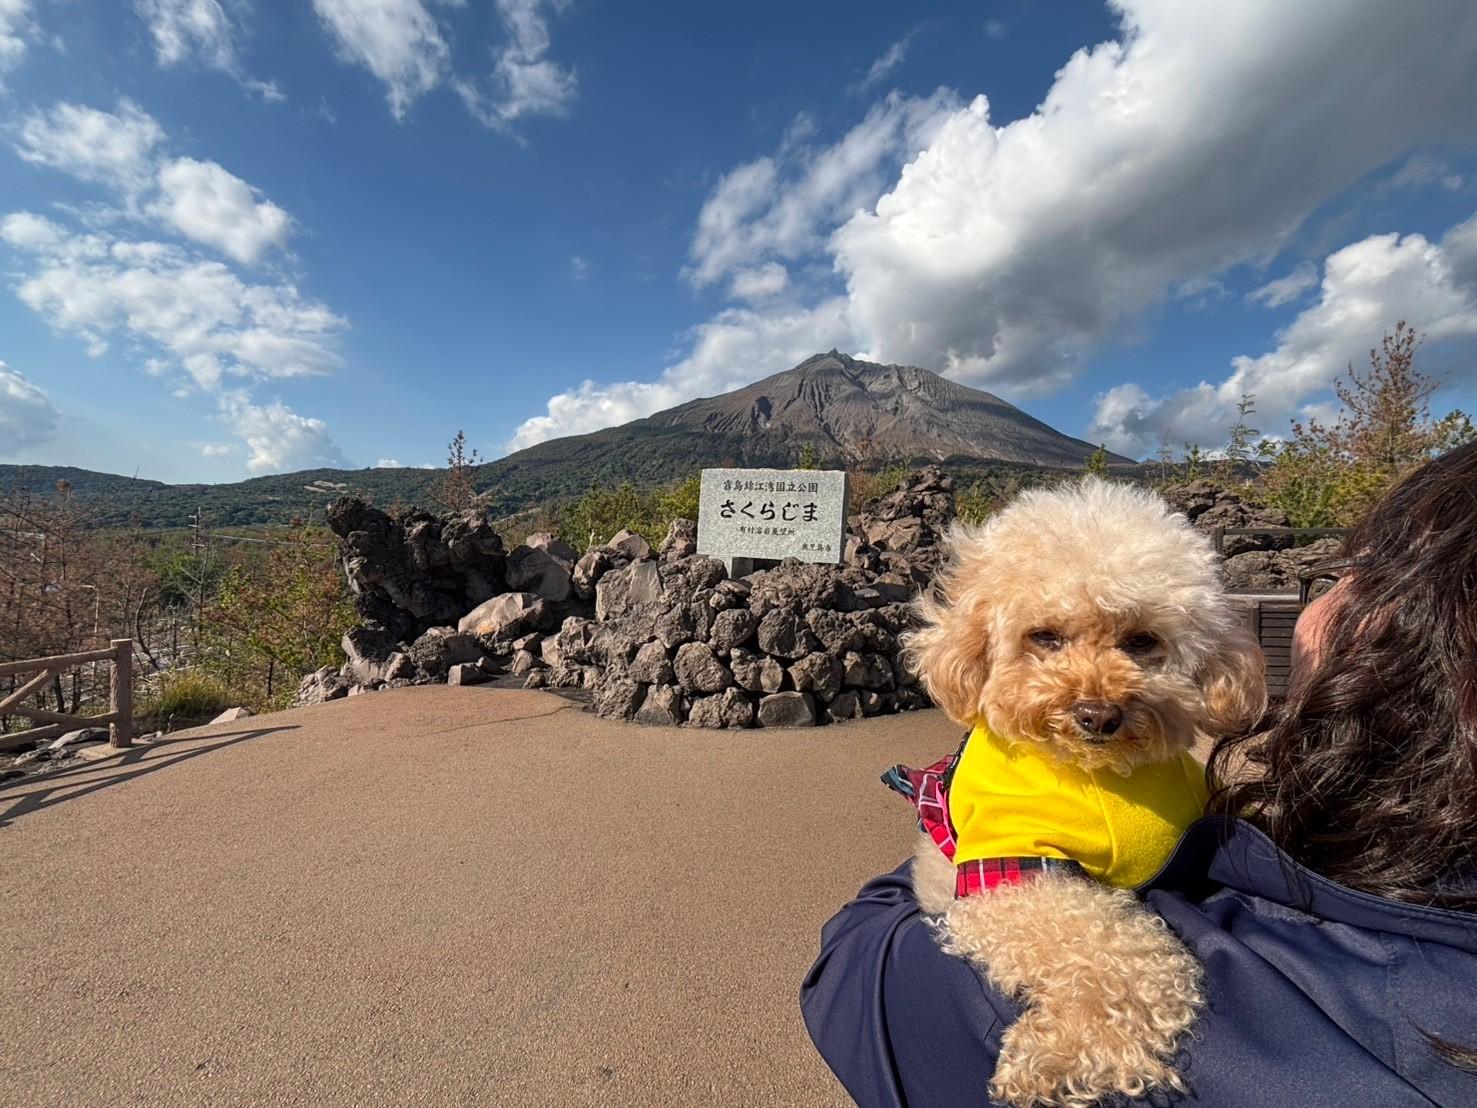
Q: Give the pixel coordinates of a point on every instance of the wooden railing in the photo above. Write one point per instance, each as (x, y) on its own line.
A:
(119, 717)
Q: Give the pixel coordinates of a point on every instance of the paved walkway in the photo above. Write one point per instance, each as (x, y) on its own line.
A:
(437, 896)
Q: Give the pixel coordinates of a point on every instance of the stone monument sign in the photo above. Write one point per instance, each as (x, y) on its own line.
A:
(749, 514)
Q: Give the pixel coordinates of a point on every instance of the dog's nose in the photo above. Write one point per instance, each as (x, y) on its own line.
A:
(1097, 716)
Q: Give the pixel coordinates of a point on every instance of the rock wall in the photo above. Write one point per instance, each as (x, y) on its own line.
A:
(665, 636)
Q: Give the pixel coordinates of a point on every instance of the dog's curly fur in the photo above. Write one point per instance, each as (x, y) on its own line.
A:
(1088, 592)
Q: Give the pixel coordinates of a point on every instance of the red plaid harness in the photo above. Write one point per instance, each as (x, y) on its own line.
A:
(928, 791)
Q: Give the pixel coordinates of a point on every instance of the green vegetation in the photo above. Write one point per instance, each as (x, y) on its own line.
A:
(182, 699)
(604, 510)
(1327, 475)
(1097, 464)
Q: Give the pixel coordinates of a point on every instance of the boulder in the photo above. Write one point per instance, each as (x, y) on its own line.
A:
(699, 670)
(631, 546)
(552, 545)
(756, 672)
(621, 590)
(618, 697)
(731, 628)
(465, 673)
(366, 649)
(730, 708)
(524, 662)
(819, 673)
(844, 705)
(867, 671)
(588, 571)
(782, 634)
(505, 617)
(661, 706)
(322, 685)
(441, 648)
(676, 625)
(787, 709)
(681, 540)
(652, 666)
(536, 571)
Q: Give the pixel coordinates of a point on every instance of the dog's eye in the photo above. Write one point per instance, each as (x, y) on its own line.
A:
(1046, 639)
(1140, 642)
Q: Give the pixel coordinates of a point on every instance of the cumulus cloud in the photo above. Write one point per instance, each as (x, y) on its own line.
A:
(121, 150)
(1284, 290)
(217, 450)
(206, 203)
(729, 350)
(759, 283)
(15, 28)
(783, 206)
(197, 312)
(524, 80)
(116, 149)
(1366, 287)
(279, 439)
(388, 463)
(396, 40)
(202, 31)
(27, 416)
(1005, 253)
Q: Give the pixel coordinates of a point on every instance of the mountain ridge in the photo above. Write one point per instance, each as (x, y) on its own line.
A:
(844, 411)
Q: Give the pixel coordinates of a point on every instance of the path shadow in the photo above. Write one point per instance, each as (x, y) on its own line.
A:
(32, 794)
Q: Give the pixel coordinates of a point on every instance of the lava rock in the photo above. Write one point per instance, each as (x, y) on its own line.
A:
(661, 706)
(652, 666)
(787, 709)
(730, 708)
(756, 672)
(819, 673)
(699, 670)
(731, 628)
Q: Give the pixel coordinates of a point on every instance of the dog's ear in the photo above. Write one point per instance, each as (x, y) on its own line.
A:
(950, 649)
(1234, 685)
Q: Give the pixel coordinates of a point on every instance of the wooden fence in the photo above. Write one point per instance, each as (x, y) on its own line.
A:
(119, 717)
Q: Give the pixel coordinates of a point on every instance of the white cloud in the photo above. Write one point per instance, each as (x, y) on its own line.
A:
(27, 416)
(217, 450)
(728, 351)
(890, 59)
(1367, 286)
(783, 206)
(995, 29)
(15, 28)
(1005, 254)
(109, 148)
(201, 316)
(202, 31)
(279, 439)
(761, 283)
(1422, 169)
(206, 203)
(121, 150)
(388, 463)
(1284, 290)
(396, 40)
(524, 82)
(579, 267)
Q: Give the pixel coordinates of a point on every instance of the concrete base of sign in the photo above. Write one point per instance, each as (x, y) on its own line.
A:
(742, 567)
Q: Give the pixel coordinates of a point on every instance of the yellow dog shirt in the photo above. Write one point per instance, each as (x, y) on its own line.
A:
(1013, 800)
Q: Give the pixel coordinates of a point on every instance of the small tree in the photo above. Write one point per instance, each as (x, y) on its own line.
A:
(458, 489)
(1194, 461)
(1329, 475)
(1239, 448)
(1097, 464)
(808, 459)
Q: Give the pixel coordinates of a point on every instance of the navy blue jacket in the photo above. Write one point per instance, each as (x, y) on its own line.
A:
(1316, 994)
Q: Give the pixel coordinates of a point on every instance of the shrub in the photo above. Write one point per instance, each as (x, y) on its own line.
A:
(604, 510)
(183, 698)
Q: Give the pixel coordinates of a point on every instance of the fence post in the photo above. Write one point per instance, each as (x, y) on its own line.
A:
(122, 705)
(1218, 537)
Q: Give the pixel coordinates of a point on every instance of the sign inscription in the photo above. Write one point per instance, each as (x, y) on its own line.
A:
(773, 513)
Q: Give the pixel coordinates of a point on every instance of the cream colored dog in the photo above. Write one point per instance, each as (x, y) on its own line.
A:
(1088, 627)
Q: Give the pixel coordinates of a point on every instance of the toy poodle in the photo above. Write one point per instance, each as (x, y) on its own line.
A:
(1083, 634)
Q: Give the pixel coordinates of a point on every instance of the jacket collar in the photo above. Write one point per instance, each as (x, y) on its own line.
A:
(1214, 853)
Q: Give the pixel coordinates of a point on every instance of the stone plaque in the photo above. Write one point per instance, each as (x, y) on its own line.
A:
(773, 513)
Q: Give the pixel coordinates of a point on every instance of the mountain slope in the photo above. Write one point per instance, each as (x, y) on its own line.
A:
(846, 412)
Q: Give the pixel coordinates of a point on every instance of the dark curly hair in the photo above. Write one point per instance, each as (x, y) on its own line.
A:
(1368, 774)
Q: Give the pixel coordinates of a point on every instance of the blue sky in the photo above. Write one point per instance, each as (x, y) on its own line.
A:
(239, 237)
